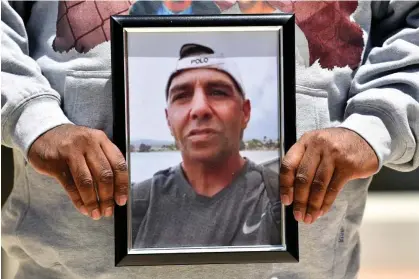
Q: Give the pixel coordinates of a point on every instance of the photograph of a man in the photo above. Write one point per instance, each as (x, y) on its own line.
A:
(215, 196)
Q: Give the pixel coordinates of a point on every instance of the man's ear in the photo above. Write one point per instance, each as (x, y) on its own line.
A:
(168, 121)
(246, 112)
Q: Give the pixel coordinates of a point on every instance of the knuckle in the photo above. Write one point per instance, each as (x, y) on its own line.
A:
(44, 154)
(99, 134)
(84, 137)
(70, 187)
(285, 188)
(121, 166)
(333, 190)
(107, 202)
(318, 186)
(298, 205)
(66, 146)
(285, 191)
(315, 199)
(106, 176)
(286, 183)
(85, 182)
(87, 140)
(78, 203)
(306, 135)
(351, 163)
(326, 205)
(312, 207)
(301, 179)
(121, 189)
(320, 139)
(335, 149)
(286, 167)
(91, 206)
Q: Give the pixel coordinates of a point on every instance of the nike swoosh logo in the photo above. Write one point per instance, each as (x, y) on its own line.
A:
(249, 229)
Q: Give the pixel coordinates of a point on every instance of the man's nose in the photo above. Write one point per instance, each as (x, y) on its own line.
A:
(200, 107)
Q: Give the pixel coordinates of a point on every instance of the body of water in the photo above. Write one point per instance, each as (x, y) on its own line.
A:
(144, 165)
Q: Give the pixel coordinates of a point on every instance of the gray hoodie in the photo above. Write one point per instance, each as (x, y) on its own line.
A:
(360, 71)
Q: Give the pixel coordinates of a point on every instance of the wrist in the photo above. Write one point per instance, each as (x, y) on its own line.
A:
(37, 116)
(373, 131)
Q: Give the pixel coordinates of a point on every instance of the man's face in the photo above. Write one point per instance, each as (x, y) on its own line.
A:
(206, 114)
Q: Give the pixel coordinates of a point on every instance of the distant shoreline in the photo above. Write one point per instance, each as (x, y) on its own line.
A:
(147, 146)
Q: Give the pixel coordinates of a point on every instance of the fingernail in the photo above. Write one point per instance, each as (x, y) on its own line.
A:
(308, 219)
(285, 199)
(321, 213)
(298, 216)
(122, 200)
(96, 214)
(83, 210)
(108, 212)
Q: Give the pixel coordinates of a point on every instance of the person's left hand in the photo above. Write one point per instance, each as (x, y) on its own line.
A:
(316, 168)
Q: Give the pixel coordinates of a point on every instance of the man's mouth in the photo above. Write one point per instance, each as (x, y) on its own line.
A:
(197, 132)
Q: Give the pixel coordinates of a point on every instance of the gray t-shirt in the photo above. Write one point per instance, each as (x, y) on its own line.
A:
(167, 212)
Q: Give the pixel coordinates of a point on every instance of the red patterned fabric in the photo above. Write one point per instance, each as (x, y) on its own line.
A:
(332, 37)
(225, 4)
(85, 24)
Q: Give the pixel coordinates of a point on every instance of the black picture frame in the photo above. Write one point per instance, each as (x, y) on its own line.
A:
(119, 24)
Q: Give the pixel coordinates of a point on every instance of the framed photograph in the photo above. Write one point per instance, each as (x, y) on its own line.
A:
(204, 110)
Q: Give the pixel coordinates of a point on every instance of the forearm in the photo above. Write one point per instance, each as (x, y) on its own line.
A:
(384, 99)
(30, 106)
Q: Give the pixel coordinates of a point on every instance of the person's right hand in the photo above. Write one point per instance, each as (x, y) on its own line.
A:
(83, 160)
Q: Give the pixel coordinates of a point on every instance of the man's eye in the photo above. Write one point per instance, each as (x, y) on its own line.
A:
(218, 92)
(179, 96)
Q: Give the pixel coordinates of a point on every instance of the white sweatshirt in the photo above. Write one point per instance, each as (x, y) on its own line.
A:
(360, 71)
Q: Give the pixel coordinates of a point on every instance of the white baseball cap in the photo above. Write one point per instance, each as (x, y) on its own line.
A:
(194, 56)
